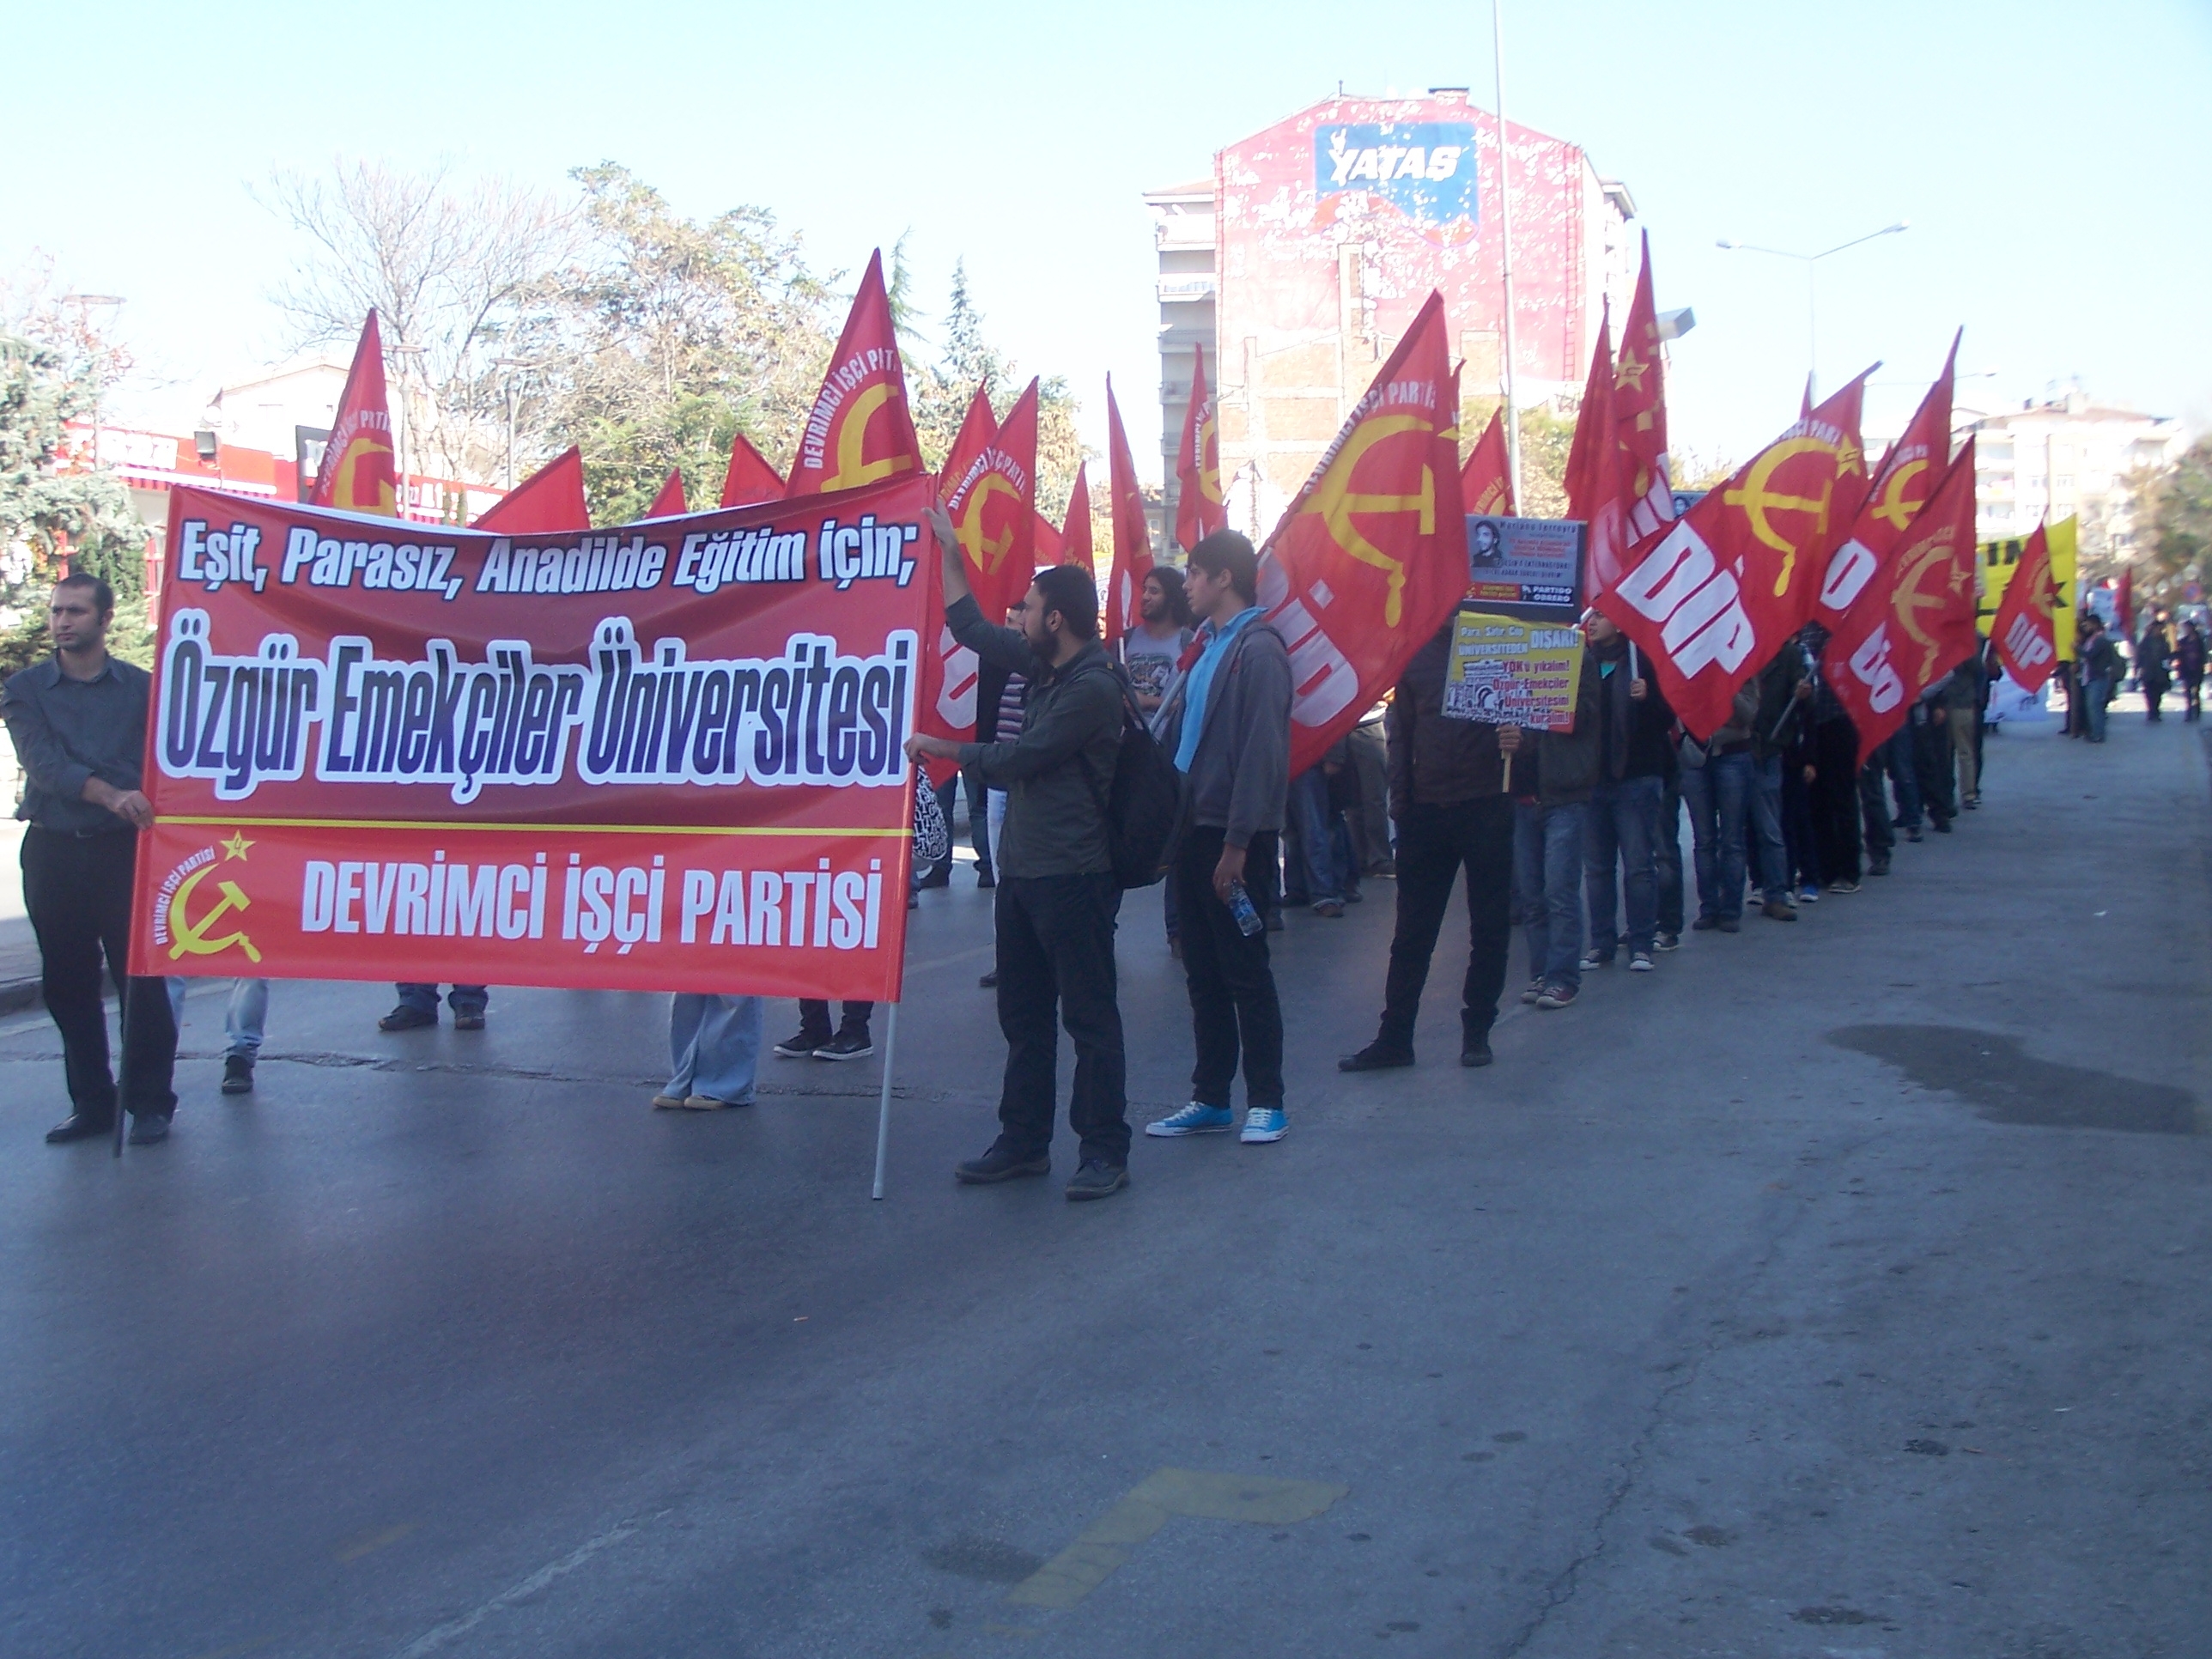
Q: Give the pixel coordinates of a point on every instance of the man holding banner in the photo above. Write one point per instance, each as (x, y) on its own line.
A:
(1057, 897)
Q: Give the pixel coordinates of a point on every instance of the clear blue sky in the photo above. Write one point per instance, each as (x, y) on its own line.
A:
(2049, 157)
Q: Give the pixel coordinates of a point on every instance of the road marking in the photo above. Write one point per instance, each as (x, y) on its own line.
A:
(431, 1640)
(369, 1542)
(1108, 1542)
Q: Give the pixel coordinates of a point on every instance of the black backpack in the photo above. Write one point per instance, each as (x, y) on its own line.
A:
(1144, 805)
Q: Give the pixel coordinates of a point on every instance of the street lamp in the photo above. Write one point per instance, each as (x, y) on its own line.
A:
(85, 304)
(513, 365)
(1811, 262)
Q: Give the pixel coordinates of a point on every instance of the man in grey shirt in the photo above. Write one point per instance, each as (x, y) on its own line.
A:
(79, 725)
(1057, 896)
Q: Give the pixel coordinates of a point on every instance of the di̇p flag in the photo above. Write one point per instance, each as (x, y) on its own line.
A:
(357, 474)
(1199, 508)
(1485, 485)
(2026, 635)
(1712, 597)
(860, 430)
(1132, 532)
(1371, 556)
(662, 756)
(1921, 623)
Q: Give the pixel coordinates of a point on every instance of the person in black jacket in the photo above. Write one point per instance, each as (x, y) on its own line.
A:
(1621, 829)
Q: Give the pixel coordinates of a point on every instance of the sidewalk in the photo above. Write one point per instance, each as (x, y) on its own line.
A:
(19, 951)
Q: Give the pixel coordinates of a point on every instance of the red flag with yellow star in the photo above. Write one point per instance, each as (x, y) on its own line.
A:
(1370, 557)
(992, 501)
(1712, 597)
(1915, 622)
(1199, 507)
(1639, 413)
(750, 477)
(1899, 488)
(1132, 532)
(1484, 485)
(357, 473)
(860, 430)
(2026, 637)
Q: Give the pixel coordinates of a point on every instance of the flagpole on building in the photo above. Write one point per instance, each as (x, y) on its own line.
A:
(883, 1105)
(1506, 246)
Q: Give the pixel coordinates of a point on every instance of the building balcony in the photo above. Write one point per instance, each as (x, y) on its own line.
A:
(1187, 286)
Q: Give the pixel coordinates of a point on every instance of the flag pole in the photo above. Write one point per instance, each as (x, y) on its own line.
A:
(1505, 251)
(883, 1105)
(123, 1060)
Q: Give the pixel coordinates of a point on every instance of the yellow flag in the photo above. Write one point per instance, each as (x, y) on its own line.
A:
(1998, 561)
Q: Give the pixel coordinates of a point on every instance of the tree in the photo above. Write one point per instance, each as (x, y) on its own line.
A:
(450, 266)
(2175, 512)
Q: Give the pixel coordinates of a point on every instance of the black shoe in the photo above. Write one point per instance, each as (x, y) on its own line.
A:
(237, 1075)
(984, 877)
(1376, 1056)
(989, 981)
(147, 1127)
(1097, 1179)
(1475, 1051)
(1274, 921)
(1728, 925)
(1913, 833)
(407, 1018)
(1878, 867)
(468, 1019)
(1001, 1162)
(847, 1044)
(1704, 924)
(798, 1047)
(1942, 826)
(78, 1127)
(940, 877)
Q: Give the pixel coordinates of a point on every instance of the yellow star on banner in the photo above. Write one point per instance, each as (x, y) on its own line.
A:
(1629, 371)
(236, 845)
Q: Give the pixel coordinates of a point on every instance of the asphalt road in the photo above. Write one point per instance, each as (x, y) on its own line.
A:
(1838, 1290)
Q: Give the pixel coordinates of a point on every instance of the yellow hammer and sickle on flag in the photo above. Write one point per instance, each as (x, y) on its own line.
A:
(1336, 502)
(984, 552)
(342, 492)
(191, 936)
(1910, 602)
(1757, 501)
(852, 443)
(1209, 477)
(1892, 509)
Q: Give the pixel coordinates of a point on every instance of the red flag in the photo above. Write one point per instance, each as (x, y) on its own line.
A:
(977, 427)
(751, 478)
(357, 473)
(1897, 492)
(1132, 532)
(1593, 423)
(992, 504)
(859, 429)
(549, 502)
(1371, 556)
(1199, 508)
(1718, 593)
(1484, 484)
(2026, 641)
(669, 503)
(1639, 413)
(1921, 623)
(2124, 602)
(1075, 535)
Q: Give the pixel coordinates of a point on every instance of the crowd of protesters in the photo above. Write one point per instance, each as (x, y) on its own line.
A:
(1574, 836)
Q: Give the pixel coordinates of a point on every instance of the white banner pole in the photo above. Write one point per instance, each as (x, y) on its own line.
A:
(883, 1107)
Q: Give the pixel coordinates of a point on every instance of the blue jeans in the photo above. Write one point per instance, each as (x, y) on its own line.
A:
(1325, 869)
(243, 1022)
(2096, 695)
(1547, 869)
(1773, 872)
(1717, 794)
(1621, 830)
(714, 1046)
(464, 999)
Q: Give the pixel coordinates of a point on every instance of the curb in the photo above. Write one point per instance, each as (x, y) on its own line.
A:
(20, 996)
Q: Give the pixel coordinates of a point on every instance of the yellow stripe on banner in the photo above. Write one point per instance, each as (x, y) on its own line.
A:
(532, 828)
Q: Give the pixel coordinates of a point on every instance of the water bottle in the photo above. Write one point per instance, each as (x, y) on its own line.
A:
(1249, 922)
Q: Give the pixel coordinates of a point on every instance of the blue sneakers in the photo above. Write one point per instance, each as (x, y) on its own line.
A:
(1195, 1120)
(1263, 1124)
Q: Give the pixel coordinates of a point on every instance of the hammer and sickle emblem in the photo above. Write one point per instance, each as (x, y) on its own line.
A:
(1757, 501)
(852, 441)
(1336, 501)
(1910, 602)
(342, 492)
(191, 936)
(1209, 477)
(1893, 509)
(987, 553)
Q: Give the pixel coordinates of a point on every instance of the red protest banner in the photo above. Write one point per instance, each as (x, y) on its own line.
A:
(665, 756)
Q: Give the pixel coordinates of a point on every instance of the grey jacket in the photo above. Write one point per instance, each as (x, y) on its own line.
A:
(1241, 772)
(1071, 725)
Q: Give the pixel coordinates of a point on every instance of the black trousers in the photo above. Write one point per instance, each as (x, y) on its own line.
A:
(78, 892)
(1880, 832)
(1056, 944)
(1435, 843)
(1932, 768)
(1234, 1012)
(814, 1016)
(1666, 846)
(1835, 791)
